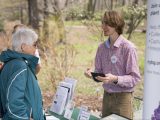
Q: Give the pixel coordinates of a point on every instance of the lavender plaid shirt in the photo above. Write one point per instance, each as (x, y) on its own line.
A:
(120, 60)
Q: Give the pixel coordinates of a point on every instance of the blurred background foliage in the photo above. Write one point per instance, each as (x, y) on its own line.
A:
(69, 34)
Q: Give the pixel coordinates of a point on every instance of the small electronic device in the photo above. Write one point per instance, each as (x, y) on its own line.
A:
(94, 75)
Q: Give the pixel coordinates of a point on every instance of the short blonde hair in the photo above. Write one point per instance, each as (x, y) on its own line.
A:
(23, 35)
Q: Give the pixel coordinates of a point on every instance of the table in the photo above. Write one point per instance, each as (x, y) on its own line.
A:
(74, 115)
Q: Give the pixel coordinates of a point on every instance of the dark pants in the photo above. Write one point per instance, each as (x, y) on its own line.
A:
(118, 103)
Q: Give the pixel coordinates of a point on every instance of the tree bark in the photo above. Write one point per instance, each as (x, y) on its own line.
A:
(45, 16)
(125, 2)
(111, 4)
(33, 13)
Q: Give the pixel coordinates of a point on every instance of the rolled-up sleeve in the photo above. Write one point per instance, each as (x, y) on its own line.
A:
(132, 75)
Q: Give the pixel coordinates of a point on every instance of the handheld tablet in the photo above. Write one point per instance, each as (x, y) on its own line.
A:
(94, 75)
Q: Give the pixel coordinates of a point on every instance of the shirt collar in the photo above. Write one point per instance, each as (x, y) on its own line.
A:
(116, 44)
(107, 43)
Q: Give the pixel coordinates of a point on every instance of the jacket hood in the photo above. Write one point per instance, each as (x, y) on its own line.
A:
(8, 55)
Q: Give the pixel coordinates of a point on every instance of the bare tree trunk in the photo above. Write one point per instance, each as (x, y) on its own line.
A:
(116, 3)
(45, 16)
(94, 6)
(91, 6)
(33, 13)
(140, 2)
(125, 2)
(21, 15)
(107, 4)
(112, 4)
(99, 5)
(66, 3)
(135, 2)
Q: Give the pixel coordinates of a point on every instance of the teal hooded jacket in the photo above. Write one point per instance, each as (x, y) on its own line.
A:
(19, 90)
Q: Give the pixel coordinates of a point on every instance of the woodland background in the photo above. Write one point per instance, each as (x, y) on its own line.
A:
(69, 34)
